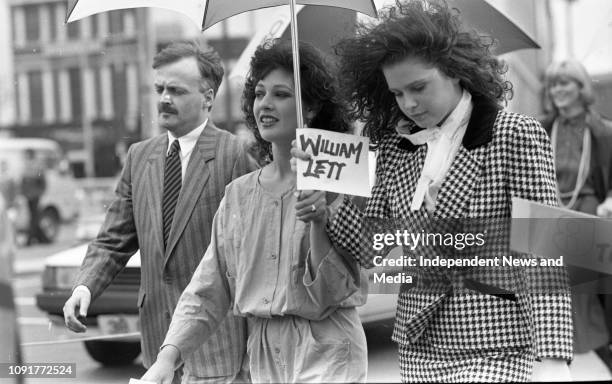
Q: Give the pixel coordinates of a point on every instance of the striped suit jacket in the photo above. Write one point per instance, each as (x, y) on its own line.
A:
(134, 220)
(503, 155)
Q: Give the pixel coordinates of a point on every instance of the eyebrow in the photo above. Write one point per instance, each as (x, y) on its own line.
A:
(169, 85)
(276, 86)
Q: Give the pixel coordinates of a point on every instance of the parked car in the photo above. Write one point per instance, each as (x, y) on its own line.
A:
(94, 196)
(58, 202)
(10, 350)
(115, 311)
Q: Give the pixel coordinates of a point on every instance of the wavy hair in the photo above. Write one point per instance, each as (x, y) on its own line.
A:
(318, 80)
(574, 70)
(430, 31)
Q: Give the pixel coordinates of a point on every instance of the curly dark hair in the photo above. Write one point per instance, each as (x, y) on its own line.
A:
(430, 31)
(319, 87)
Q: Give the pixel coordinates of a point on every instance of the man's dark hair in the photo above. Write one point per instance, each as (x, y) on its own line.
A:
(209, 62)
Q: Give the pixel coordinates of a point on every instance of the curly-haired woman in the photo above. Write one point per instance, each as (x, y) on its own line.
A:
(270, 259)
(430, 91)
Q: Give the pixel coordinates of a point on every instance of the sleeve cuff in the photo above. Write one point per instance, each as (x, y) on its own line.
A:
(80, 288)
(330, 266)
(179, 362)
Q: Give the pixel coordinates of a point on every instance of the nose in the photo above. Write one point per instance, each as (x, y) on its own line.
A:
(408, 103)
(266, 102)
(164, 97)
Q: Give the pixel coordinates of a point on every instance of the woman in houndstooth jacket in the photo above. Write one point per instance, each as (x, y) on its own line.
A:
(429, 93)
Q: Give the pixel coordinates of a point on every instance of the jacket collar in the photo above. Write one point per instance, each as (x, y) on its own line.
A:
(479, 130)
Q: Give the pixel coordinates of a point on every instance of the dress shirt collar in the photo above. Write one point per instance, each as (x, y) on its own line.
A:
(188, 141)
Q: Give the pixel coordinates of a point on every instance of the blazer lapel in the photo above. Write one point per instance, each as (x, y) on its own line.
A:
(459, 184)
(196, 178)
(155, 172)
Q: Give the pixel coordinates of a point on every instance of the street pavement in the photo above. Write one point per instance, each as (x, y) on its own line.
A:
(30, 261)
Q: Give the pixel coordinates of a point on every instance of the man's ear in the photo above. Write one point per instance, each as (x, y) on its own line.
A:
(208, 99)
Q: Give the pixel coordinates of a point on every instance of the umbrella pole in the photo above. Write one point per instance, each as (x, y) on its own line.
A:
(296, 64)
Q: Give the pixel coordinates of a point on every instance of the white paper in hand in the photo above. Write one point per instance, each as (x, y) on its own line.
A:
(136, 381)
(339, 162)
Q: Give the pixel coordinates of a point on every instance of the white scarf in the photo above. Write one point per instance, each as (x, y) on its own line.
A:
(442, 145)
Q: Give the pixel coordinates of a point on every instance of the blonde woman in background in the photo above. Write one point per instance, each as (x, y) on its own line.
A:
(581, 140)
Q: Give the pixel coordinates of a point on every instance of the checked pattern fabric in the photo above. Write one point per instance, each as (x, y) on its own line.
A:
(172, 187)
(514, 160)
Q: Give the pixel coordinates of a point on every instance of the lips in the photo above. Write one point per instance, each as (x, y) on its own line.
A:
(267, 120)
(418, 116)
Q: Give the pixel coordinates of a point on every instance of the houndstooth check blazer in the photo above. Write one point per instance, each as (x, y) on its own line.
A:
(503, 155)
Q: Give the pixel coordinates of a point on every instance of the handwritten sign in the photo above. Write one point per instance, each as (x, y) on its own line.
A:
(339, 162)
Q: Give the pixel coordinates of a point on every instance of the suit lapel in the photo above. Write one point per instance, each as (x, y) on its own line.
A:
(155, 173)
(196, 177)
(459, 184)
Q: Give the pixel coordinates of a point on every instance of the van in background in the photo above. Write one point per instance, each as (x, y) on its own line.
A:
(59, 202)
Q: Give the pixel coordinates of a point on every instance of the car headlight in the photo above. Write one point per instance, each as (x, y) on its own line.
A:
(59, 278)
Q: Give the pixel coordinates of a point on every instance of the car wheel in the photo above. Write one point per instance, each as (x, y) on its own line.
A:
(49, 222)
(113, 352)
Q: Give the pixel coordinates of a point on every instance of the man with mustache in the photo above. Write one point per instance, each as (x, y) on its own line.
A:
(168, 193)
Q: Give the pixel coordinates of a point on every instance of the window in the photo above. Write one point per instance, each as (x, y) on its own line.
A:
(35, 89)
(119, 90)
(74, 76)
(32, 22)
(115, 22)
(94, 22)
(52, 21)
(73, 29)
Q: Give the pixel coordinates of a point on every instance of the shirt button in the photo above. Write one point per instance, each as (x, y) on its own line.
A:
(277, 350)
(265, 301)
(273, 256)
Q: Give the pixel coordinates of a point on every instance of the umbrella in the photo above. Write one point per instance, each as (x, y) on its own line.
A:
(319, 26)
(479, 14)
(486, 18)
(209, 12)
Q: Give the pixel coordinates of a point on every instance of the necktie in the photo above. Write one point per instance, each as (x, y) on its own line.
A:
(172, 186)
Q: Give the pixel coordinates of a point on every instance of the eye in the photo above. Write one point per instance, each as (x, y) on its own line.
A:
(159, 90)
(259, 94)
(418, 88)
(283, 94)
(176, 91)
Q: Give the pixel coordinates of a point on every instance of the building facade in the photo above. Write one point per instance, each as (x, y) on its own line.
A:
(77, 83)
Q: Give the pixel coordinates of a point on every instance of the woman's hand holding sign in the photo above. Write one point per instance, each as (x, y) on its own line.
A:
(311, 205)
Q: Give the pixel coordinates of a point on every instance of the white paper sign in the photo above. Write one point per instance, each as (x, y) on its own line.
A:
(136, 381)
(339, 162)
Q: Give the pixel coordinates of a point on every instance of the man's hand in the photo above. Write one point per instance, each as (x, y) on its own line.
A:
(80, 299)
(162, 371)
(605, 209)
(550, 370)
